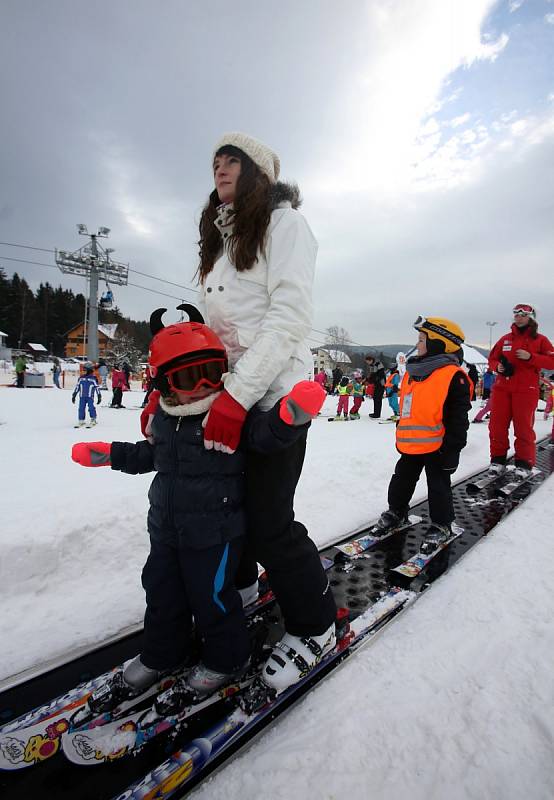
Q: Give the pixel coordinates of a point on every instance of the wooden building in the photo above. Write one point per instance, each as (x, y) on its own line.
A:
(76, 345)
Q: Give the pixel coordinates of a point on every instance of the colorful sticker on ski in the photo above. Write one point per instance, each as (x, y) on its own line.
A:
(19, 749)
(416, 564)
(357, 546)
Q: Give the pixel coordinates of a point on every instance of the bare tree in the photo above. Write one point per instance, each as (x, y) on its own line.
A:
(123, 349)
(335, 335)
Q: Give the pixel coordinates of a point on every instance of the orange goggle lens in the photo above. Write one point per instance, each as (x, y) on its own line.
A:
(190, 377)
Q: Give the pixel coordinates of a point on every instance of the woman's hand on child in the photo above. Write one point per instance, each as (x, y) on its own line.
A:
(223, 424)
(92, 454)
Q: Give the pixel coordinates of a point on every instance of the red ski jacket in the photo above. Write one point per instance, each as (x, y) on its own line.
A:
(526, 373)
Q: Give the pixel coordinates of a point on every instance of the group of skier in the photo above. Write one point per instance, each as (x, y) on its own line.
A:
(88, 390)
(225, 429)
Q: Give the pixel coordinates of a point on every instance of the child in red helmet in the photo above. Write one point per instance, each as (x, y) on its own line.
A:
(196, 519)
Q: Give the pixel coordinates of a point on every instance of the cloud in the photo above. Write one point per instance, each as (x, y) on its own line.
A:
(461, 120)
(515, 5)
(488, 50)
(390, 103)
(549, 18)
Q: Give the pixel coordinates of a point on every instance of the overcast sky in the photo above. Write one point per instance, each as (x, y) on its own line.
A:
(420, 132)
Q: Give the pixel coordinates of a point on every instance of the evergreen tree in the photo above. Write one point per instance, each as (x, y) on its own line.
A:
(46, 317)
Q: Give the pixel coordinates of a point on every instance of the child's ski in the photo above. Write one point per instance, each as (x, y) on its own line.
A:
(171, 776)
(35, 736)
(404, 573)
(357, 546)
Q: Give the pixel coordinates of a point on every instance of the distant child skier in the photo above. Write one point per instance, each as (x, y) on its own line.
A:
(358, 391)
(432, 429)
(196, 519)
(87, 388)
(344, 390)
(392, 387)
(119, 385)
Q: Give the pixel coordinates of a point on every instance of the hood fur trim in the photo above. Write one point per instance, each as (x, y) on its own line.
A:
(284, 193)
(189, 409)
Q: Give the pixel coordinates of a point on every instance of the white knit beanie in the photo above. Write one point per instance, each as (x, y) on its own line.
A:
(262, 155)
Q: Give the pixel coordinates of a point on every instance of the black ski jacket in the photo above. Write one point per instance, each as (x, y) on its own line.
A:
(199, 494)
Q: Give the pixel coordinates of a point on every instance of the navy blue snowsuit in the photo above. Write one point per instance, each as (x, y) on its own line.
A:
(197, 528)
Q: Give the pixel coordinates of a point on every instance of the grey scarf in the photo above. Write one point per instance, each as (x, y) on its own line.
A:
(420, 367)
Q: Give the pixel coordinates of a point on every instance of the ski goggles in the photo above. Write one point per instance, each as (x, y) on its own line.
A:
(423, 324)
(524, 310)
(188, 378)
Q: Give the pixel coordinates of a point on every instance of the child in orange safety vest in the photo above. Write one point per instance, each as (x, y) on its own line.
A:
(432, 429)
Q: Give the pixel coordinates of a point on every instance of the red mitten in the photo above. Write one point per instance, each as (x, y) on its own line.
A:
(92, 454)
(223, 424)
(302, 403)
(147, 415)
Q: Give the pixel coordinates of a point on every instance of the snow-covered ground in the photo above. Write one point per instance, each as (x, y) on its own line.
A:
(453, 701)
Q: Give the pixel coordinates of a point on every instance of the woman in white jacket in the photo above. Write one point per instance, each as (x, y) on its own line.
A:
(257, 260)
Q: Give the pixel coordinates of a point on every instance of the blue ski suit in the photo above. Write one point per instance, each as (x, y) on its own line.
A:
(86, 388)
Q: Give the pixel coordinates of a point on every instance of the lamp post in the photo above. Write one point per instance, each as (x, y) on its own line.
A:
(491, 326)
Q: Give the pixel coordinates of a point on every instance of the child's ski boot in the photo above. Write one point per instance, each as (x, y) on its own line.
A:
(435, 535)
(388, 521)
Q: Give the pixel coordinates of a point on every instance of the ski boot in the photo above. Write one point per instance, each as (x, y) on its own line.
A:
(294, 656)
(249, 594)
(93, 422)
(435, 535)
(496, 469)
(124, 685)
(388, 521)
(523, 469)
(80, 424)
(204, 681)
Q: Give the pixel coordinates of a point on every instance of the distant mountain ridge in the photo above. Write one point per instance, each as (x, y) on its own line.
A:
(390, 350)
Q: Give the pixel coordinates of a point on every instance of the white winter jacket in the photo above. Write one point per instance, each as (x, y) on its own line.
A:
(263, 315)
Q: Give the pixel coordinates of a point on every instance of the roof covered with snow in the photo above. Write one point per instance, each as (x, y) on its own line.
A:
(108, 330)
(473, 356)
(338, 355)
(39, 347)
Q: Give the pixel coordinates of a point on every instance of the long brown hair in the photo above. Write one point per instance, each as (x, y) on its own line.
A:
(533, 328)
(252, 207)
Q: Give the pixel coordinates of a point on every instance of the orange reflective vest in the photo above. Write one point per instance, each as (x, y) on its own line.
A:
(420, 428)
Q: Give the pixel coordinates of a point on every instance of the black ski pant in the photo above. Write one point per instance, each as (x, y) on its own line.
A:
(20, 376)
(282, 545)
(117, 397)
(378, 400)
(182, 583)
(403, 484)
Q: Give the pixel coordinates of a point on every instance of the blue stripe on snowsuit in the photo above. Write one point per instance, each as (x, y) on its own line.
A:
(219, 579)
